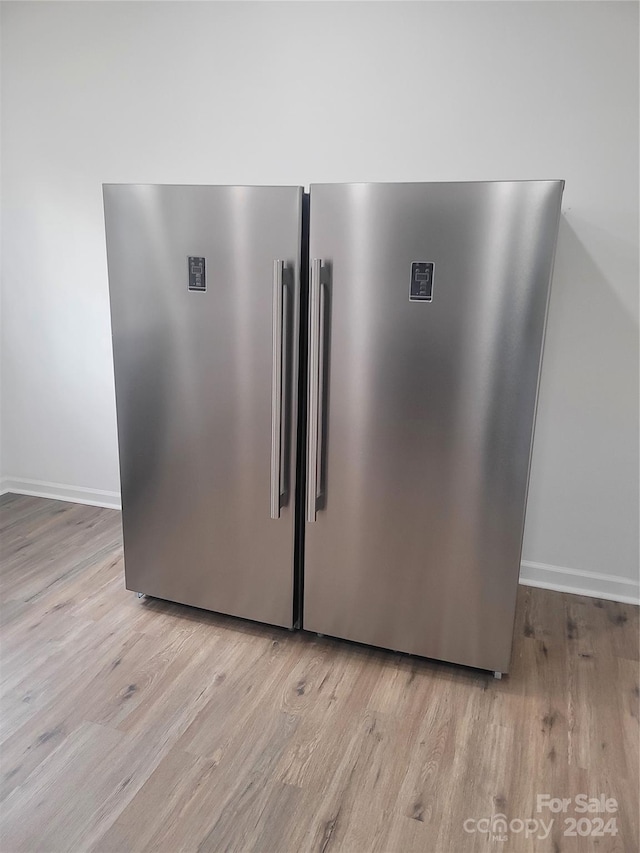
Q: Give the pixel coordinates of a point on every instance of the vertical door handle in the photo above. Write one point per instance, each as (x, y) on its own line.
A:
(313, 407)
(276, 387)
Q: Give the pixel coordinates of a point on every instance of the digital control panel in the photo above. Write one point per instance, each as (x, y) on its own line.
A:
(421, 289)
(197, 279)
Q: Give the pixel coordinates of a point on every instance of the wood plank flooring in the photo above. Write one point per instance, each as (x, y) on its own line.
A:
(137, 725)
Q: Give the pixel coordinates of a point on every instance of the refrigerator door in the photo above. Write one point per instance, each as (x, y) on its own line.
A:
(427, 316)
(204, 286)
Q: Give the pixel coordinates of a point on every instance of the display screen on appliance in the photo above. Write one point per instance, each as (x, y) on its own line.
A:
(421, 289)
(197, 279)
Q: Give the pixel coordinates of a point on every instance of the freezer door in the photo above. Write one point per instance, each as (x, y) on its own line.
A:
(427, 315)
(204, 286)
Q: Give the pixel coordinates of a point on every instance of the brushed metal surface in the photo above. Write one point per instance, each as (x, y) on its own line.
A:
(276, 388)
(428, 412)
(313, 391)
(194, 391)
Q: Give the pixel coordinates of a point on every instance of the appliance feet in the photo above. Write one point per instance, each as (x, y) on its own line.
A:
(497, 674)
(139, 594)
(319, 635)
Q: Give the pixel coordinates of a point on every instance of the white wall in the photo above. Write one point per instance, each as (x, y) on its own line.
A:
(297, 93)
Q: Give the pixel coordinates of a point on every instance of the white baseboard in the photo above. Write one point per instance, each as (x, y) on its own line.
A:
(580, 582)
(559, 578)
(60, 492)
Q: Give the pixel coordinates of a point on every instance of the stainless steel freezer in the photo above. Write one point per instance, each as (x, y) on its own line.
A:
(427, 317)
(205, 301)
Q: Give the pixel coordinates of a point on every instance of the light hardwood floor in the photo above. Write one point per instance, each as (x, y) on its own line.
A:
(138, 725)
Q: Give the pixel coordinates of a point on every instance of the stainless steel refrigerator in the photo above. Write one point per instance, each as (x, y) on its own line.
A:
(427, 316)
(205, 307)
(390, 510)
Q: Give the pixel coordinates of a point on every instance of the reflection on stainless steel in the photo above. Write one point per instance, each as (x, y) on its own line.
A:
(428, 411)
(194, 392)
